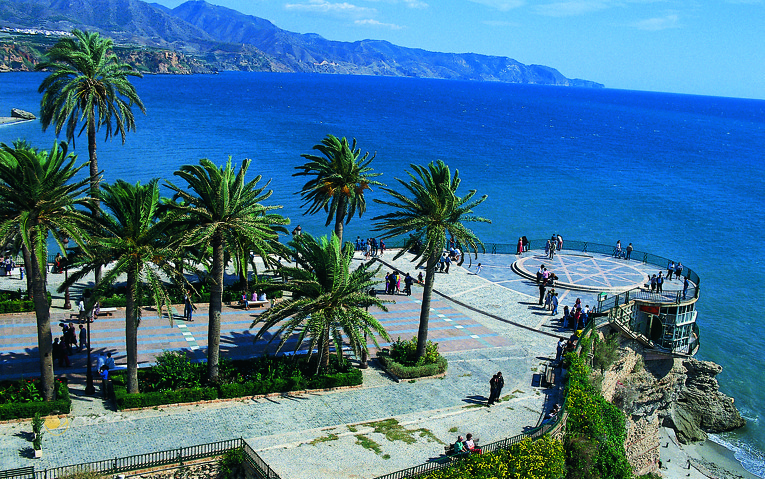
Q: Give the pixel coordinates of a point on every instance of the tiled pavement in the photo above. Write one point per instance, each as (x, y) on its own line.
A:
(282, 428)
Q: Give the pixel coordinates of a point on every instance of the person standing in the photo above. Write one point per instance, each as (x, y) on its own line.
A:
(500, 383)
(382, 248)
(560, 242)
(448, 262)
(478, 269)
(83, 337)
(559, 349)
(492, 390)
(408, 280)
(629, 251)
(554, 302)
(670, 270)
(685, 287)
(104, 373)
(659, 283)
(188, 308)
(519, 249)
(679, 270)
(541, 293)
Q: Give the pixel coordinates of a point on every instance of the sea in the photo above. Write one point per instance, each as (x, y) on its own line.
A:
(679, 176)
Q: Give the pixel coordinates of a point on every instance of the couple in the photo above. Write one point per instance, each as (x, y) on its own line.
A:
(496, 383)
(465, 446)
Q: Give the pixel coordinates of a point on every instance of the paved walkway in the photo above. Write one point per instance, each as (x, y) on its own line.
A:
(306, 435)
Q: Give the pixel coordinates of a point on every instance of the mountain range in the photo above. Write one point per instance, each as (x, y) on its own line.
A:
(205, 37)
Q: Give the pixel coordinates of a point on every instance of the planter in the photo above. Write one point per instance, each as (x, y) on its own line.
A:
(38, 453)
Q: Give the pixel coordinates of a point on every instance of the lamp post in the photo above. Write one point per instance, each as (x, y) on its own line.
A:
(89, 388)
(67, 301)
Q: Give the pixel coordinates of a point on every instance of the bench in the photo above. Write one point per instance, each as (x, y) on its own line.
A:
(18, 473)
(106, 311)
(449, 450)
(255, 304)
(548, 379)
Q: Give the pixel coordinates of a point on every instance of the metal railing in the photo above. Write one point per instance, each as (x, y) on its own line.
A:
(587, 247)
(639, 294)
(178, 456)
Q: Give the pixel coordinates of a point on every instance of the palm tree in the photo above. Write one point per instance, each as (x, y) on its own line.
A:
(87, 82)
(220, 208)
(131, 237)
(37, 197)
(340, 179)
(431, 208)
(328, 301)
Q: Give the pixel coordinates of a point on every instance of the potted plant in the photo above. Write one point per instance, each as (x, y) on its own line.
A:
(37, 424)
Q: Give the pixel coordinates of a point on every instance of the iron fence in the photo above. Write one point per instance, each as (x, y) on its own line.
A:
(177, 456)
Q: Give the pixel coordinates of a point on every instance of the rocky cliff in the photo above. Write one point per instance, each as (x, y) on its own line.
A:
(674, 392)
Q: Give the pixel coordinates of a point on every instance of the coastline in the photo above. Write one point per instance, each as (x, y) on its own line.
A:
(9, 120)
(698, 461)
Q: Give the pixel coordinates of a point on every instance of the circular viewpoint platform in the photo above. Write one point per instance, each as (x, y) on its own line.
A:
(585, 271)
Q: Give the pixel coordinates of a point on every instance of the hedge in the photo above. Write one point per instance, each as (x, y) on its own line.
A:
(233, 390)
(14, 302)
(61, 405)
(139, 400)
(411, 372)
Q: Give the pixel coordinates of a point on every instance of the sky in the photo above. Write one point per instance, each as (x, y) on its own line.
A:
(704, 47)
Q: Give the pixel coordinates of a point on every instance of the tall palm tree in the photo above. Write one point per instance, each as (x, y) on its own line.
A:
(340, 178)
(130, 235)
(328, 300)
(431, 208)
(220, 207)
(89, 85)
(38, 198)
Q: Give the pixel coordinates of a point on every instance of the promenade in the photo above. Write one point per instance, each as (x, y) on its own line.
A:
(484, 323)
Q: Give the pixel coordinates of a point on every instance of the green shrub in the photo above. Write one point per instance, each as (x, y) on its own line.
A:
(409, 372)
(605, 352)
(176, 371)
(14, 409)
(405, 352)
(231, 464)
(37, 430)
(158, 398)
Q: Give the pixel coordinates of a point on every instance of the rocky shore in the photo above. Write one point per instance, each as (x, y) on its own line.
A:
(17, 116)
(672, 404)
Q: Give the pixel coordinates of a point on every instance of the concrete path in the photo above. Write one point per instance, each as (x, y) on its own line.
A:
(334, 434)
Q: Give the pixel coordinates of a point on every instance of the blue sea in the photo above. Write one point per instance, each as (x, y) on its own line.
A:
(677, 175)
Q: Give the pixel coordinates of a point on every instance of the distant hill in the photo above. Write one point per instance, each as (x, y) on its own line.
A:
(208, 37)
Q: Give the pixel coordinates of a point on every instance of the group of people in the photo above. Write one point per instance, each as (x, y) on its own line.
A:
(548, 298)
(576, 317)
(64, 346)
(371, 247)
(465, 446)
(523, 245)
(7, 264)
(620, 253)
(555, 243)
(394, 279)
(244, 301)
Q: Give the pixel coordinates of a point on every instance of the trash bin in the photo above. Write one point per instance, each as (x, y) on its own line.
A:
(602, 297)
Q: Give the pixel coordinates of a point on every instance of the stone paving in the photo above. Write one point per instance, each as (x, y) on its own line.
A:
(320, 434)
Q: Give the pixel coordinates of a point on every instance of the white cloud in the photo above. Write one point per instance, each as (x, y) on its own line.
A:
(322, 6)
(570, 9)
(658, 23)
(375, 23)
(501, 5)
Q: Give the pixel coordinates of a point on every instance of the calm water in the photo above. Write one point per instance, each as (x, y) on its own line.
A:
(679, 176)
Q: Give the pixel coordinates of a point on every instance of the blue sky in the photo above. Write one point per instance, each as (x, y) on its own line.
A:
(709, 47)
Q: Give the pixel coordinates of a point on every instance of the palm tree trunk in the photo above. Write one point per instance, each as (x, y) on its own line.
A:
(131, 331)
(42, 312)
(325, 353)
(422, 332)
(27, 262)
(94, 189)
(339, 215)
(216, 303)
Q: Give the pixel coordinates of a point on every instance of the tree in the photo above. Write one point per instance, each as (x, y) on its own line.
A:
(38, 198)
(340, 179)
(431, 209)
(131, 236)
(87, 83)
(328, 300)
(220, 208)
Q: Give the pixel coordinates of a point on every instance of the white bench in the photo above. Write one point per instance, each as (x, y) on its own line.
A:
(255, 304)
(106, 311)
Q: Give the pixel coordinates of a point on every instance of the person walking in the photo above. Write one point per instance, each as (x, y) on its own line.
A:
(188, 308)
(541, 293)
(492, 390)
(554, 303)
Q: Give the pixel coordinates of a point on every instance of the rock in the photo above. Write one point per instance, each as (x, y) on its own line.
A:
(24, 115)
(713, 410)
(685, 424)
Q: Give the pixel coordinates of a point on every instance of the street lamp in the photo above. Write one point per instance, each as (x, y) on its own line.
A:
(89, 388)
(364, 359)
(67, 302)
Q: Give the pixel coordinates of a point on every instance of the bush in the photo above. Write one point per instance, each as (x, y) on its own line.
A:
(405, 352)
(231, 464)
(14, 407)
(605, 352)
(595, 431)
(409, 372)
(249, 377)
(540, 459)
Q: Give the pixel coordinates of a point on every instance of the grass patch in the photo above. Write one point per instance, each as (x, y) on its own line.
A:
(470, 406)
(353, 428)
(517, 391)
(453, 429)
(327, 438)
(367, 443)
(393, 431)
(465, 375)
